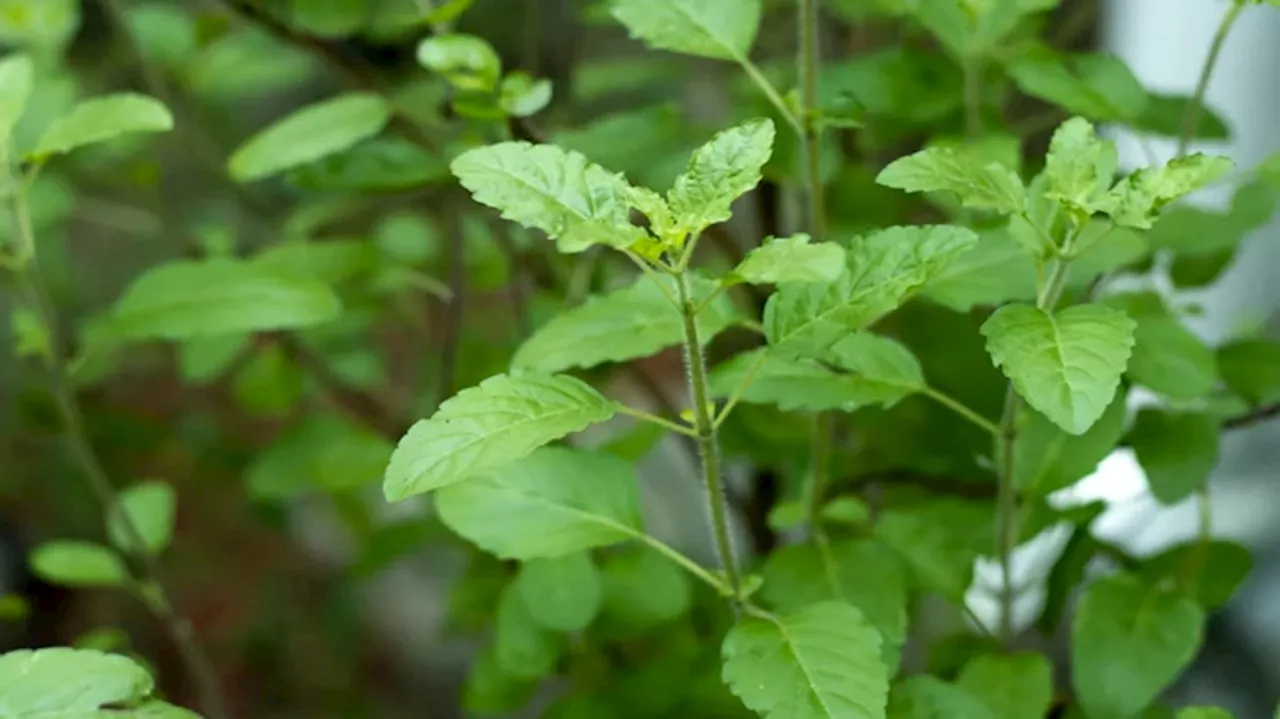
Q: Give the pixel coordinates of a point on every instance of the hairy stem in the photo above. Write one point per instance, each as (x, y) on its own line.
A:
(1191, 119)
(199, 667)
(1007, 511)
(708, 445)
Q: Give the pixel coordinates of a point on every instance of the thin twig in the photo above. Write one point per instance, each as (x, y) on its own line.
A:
(455, 310)
(1253, 416)
(1191, 119)
(360, 405)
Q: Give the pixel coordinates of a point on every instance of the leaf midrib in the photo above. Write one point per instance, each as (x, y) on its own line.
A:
(794, 650)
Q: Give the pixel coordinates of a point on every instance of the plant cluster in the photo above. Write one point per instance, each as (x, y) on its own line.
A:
(928, 340)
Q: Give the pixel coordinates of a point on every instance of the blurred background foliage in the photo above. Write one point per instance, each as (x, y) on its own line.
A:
(315, 598)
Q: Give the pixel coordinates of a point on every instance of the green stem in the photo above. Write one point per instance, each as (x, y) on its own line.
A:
(771, 93)
(688, 564)
(708, 445)
(1191, 119)
(973, 97)
(655, 419)
(959, 408)
(819, 472)
(1007, 511)
(198, 665)
(810, 72)
(742, 388)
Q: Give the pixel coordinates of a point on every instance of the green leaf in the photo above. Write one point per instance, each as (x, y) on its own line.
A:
(190, 299)
(635, 321)
(790, 259)
(309, 134)
(352, 458)
(523, 648)
(877, 370)
(994, 271)
(554, 502)
(1251, 368)
(1065, 365)
(643, 589)
(1223, 568)
(940, 540)
(17, 77)
(203, 359)
(1177, 450)
(101, 119)
(59, 682)
(44, 25)
(562, 594)
(928, 697)
(522, 95)
(882, 271)
(1169, 359)
(1137, 198)
(1204, 713)
(978, 183)
(1013, 686)
(1047, 459)
(379, 164)
(822, 662)
(1128, 642)
(1164, 116)
(718, 29)
(269, 384)
(577, 203)
(151, 507)
(863, 572)
(488, 427)
(1097, 86)
(468, 62)
(491, 690)
(78, 564)
(719, 172)
(1079, 167)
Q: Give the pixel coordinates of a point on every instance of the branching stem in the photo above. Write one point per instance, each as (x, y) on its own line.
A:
(1191, 119)
(708, 445)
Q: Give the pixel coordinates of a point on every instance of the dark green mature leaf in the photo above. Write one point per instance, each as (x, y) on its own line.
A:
(721, 171)
(878, 370)
(59, 682)
(521, 646)
(309, 134)
(553, 502)
(643, 589)
(1165, 113)
(1079, 167)
(1128, 642)
(883, 270)
(864, 573)
(1251, 368)
(1223, 567)
(1136, 199)
(468, 62)
(994, 271)
(577, 203)
(1177, 450)
(822, 662)
(1047, 459)
(928, 697)
(635, 321)
(718, 29)
(491, 690)
(976, 181)
(189, 299)
(17, 76)
(488, 427)
(790, 259)
(102, 119)
(380, 164)
(1100, 87)
(79, 564)
(150, 507)
(328, 18)
(562, 593)
(1066, 365)
(940, 539)
(1013, 686)
(1170, 359)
